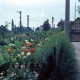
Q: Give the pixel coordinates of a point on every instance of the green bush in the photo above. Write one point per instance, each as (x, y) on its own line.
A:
(63, 45)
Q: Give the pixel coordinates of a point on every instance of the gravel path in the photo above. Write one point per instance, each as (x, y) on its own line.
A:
(77, 51)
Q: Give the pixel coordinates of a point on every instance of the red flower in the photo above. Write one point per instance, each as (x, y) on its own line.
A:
(26, 51)
(30, 45)
(24, 44)
(31, 50)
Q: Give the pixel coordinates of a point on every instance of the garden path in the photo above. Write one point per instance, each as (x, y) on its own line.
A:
(77, 51)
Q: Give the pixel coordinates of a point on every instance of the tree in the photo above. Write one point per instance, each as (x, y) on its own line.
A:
(28, 29)
(61, 24)
(46, 25)
(37, 29)
(3, 29)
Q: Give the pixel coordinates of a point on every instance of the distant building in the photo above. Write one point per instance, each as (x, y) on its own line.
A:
(75, 25)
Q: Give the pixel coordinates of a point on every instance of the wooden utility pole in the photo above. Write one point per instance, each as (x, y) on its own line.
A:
(20, 21)
(27, 20)
(52, 22)
(67, 18)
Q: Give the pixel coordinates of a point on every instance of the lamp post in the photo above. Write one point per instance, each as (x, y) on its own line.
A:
(67, 18)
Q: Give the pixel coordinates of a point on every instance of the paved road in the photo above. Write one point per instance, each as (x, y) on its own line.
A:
(77, 51)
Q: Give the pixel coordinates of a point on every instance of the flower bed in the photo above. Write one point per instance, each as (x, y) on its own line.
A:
(28, 54)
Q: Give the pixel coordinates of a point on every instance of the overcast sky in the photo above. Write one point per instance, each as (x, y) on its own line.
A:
(38, 10)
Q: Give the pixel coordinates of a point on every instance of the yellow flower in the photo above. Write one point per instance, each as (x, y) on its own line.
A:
(15, 59)
(23, 47)
(22, 53)
(18, 55)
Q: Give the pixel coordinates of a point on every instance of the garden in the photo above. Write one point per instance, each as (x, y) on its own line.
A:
(39, 55)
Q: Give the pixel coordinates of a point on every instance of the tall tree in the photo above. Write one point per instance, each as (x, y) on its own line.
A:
(46, 25)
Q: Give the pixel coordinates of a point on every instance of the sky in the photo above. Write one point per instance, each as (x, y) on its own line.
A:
(38, 10)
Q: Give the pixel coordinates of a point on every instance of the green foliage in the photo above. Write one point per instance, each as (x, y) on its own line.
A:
(67, 63)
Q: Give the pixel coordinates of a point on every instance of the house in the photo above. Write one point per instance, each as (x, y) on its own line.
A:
(74, 25)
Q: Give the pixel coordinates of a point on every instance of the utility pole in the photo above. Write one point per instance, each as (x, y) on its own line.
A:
(12, 25)
(75, 19)
(52, 22)
(27, 20)
(67, 18)
(20, 21)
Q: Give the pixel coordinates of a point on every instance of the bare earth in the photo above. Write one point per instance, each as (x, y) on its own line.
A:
(77, 51)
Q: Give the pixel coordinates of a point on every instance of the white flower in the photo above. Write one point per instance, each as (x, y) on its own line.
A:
(24, 56)
(11, 54)
(46, 38)
(11, 38)
(7, 70)
(23, 47)
(39, 44)
(26, 41)
(22, 66)
(13, 44)
(10, 45)
(28, 53)
(17, 63)
(32, 40)
(1, 73)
